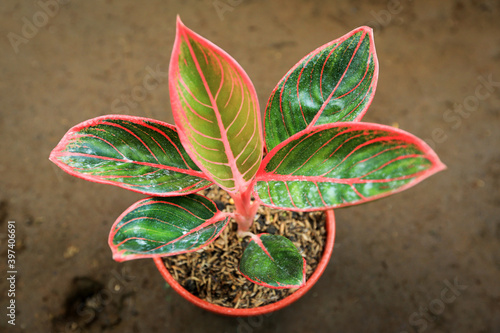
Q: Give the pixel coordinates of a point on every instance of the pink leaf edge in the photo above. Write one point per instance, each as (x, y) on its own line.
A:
(120, 257)
(58, 151)
(366, 30)
(182, 30)
(258, 241)
(437, 165)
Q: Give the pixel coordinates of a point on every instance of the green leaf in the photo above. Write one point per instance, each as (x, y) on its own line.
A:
(216, 110)
(273, 261)
(343, 164)
(334, 83)
(166, 226)
(139, 154)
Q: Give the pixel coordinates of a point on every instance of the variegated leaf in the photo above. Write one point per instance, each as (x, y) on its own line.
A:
(139, 154)
(216, 110)
(273, 261)
(166, 226)
(343, 164)
(334, 83)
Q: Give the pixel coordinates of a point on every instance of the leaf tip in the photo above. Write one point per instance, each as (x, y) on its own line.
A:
(52, 156)
(367, 29)
(439, 166)
(117, 257)
(181, 27)
(179, 22)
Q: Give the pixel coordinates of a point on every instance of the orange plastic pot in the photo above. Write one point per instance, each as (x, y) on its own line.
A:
(327, 253)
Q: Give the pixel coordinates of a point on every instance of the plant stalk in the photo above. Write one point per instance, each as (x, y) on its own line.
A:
(245, 209)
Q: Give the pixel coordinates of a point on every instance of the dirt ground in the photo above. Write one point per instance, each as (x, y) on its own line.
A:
(425, 260)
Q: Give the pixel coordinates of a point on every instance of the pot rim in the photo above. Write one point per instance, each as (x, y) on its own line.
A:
(327, 253)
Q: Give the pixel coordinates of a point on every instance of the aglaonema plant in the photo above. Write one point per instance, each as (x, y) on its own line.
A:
(314, 154)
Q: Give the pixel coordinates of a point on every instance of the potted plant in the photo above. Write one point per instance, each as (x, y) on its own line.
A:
(314, 154)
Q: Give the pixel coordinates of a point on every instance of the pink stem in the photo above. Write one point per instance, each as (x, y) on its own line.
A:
(245, 209)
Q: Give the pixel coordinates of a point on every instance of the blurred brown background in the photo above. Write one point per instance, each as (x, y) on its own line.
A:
(394, 259)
